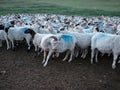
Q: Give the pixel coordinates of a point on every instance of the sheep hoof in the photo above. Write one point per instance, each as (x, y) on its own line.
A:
(28, 50)
(113, 66)
(13, 49)
(8, 48)
(70, 60)
(2, 72)
(63, 60)
(45, 65)
(42, 62)
(91, 62)
(119, 61)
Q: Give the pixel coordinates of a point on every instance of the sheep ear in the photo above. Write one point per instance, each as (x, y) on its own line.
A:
(6, 30)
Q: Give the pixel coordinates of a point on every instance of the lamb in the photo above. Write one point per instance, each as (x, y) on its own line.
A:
(58, 43)
(105, 43)
(17, 33)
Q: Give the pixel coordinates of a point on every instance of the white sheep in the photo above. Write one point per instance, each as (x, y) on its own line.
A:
(83, 41)
(58, 43)
(3, 36)
(105, 43)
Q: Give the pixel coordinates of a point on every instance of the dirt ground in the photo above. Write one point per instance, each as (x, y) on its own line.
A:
(20, 70)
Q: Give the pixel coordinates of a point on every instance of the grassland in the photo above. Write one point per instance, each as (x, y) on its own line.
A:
(66, 7)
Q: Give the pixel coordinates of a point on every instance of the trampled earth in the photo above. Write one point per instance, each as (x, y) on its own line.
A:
(20, 70)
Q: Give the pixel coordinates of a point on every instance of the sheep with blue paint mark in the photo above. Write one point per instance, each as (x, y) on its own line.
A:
(17, 33)
(83, 41)
(105, 43)
(58, 43)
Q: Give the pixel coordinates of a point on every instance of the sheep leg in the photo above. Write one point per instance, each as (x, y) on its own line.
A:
(82, 53)
(109, 54)
(8, 47)
(36, 50)
(119, 60)
(53, 55)
(0, 43)
(76, 53)
(13, 47)
(49, 54)
(44, 57)
(72, 52)
(92, 56)
(114, 61)
(66, 56)
(57, 54)
(85, 53)
(28, 43)
(96, 56)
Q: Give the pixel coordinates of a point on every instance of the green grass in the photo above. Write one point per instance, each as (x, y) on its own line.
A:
(66, 7)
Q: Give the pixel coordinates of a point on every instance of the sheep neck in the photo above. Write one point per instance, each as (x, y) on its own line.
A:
(33, 34)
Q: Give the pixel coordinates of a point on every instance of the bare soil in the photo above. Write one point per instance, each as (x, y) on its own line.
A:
(20, 70)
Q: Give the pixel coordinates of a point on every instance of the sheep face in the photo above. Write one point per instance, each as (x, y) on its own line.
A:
(54, 44)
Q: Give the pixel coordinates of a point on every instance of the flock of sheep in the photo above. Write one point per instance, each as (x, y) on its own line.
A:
(56, 34)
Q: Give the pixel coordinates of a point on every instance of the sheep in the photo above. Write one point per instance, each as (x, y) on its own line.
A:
(105, 43)
(36, 38)
(17, 33)
(58, 43)
(83, 41)
(3, 36)
(10, 24)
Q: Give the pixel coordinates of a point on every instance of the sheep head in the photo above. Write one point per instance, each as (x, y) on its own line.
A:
(54, 41)
(1, 27)
(12, 23)
(7, 29)
(31, 32)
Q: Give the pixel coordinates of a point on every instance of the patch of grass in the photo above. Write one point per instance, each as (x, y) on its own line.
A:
(66, 7)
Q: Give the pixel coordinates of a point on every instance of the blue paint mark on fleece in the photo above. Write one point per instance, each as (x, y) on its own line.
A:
(112, 31)
(7, 24)
(24, 29)
(67, 38)
(86, 27)
(101, 25)
(102, 35)
(26, 18)
(56, 28)
(62, 19)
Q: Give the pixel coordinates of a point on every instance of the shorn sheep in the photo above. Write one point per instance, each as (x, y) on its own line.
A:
(105, 43)
(58, 43)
